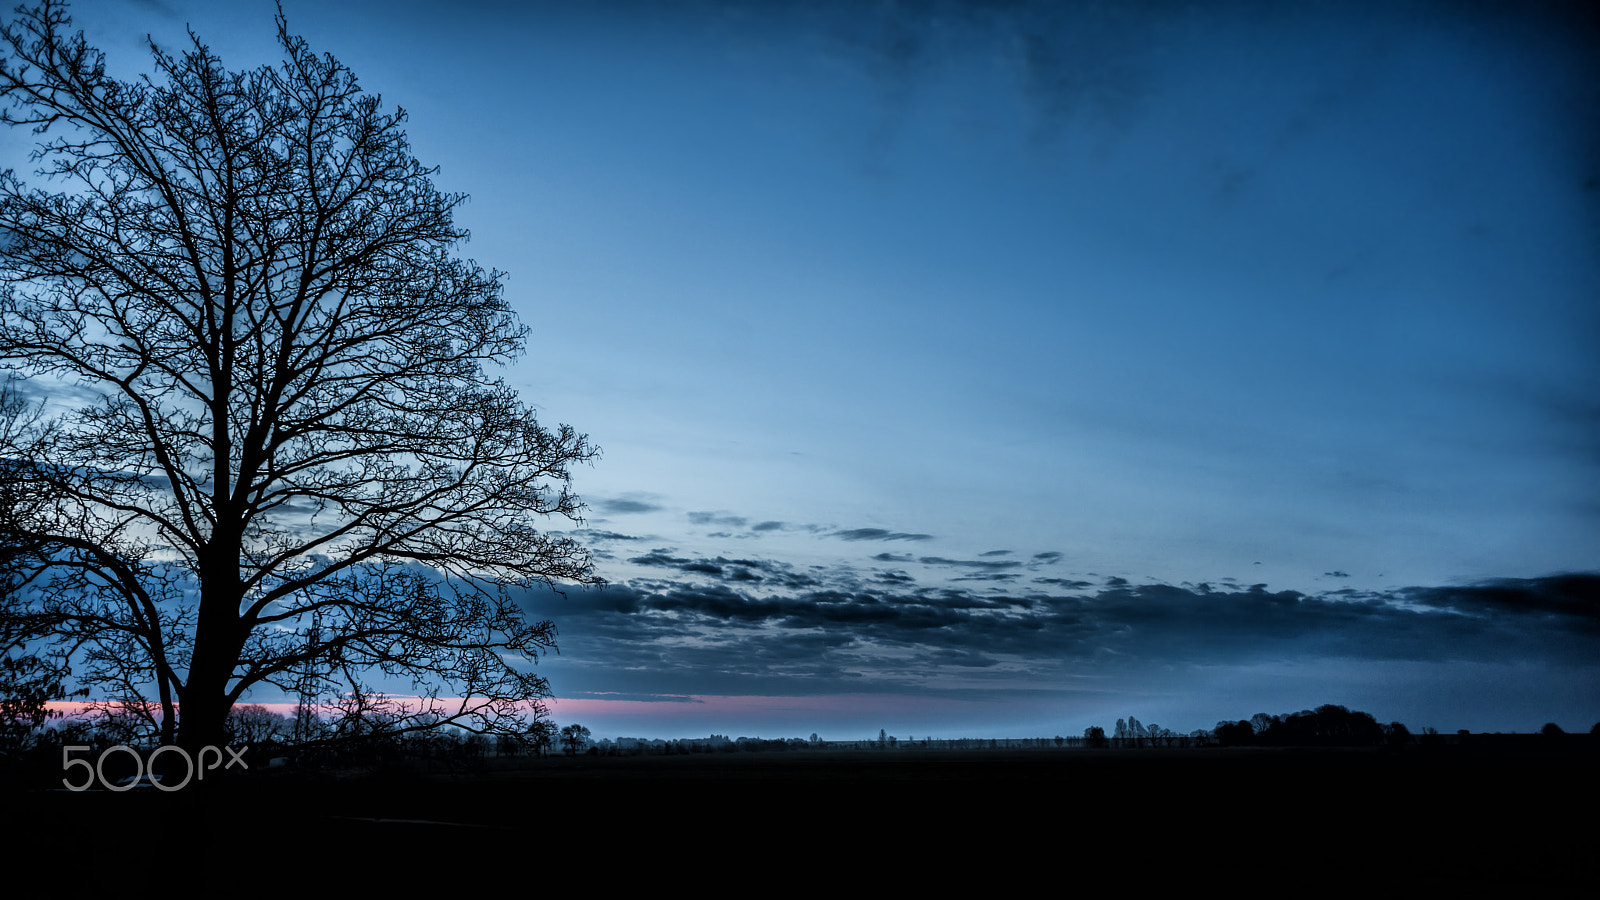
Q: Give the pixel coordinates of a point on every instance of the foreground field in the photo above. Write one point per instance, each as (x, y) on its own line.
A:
(1347, 820)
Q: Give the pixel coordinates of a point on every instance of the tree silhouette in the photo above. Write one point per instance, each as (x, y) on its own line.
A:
(1397, 734)
(27, 686)
(1262, 723)
(1328, 725)
(296, 472)
(28, 682)
(573, 737)
(252, 723)
(1233, 734)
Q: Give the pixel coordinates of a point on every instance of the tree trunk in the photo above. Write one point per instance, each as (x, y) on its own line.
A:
(217, 643)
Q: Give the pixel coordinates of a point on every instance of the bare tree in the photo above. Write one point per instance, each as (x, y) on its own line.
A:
(573, 738)
(29, 682)
(297, 472)
(252, 723)
(1262, 723)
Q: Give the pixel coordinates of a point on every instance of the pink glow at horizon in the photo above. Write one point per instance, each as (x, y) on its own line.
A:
(70, 708)
(843, 716)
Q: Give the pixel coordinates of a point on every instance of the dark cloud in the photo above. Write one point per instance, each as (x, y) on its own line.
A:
(740, 635)
(592, 534)
(995, 553)
(37, 391)
(771, 573)
(1575, 597)
(1069, 66)
(1048, 556)
(625, 506)
(768, 526)
(659, 557)
(893, 557)
(711, 518)
(950, 656)
(1078, 66)
(970, 563)
(1068, 583)
(987, 576)
(877, 534)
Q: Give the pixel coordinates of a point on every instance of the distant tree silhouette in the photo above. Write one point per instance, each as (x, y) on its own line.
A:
(539, 736)
(1129, 733)
(27, 686)
(573, 739)
(252, 723)
(1095, 736)
(1551, 729)
(1234, 734)
(1397, 734)
(1327, 725)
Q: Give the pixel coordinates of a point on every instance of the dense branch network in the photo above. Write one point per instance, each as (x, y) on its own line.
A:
(297, 467)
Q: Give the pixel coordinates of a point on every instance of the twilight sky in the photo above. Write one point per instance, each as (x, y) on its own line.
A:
(1005, 368)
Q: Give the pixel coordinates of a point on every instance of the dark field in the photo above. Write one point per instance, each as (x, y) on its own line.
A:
(1341, 820)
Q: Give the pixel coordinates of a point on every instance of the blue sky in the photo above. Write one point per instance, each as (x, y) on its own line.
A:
(1008, 368)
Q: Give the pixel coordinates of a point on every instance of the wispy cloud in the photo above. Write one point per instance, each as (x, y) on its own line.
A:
(877, 534)
(723, 520)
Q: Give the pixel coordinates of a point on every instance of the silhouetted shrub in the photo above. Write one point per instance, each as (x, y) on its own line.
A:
(1234, 734)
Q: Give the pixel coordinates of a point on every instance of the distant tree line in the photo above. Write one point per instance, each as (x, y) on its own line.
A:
(32, 737)
(1326, 726)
